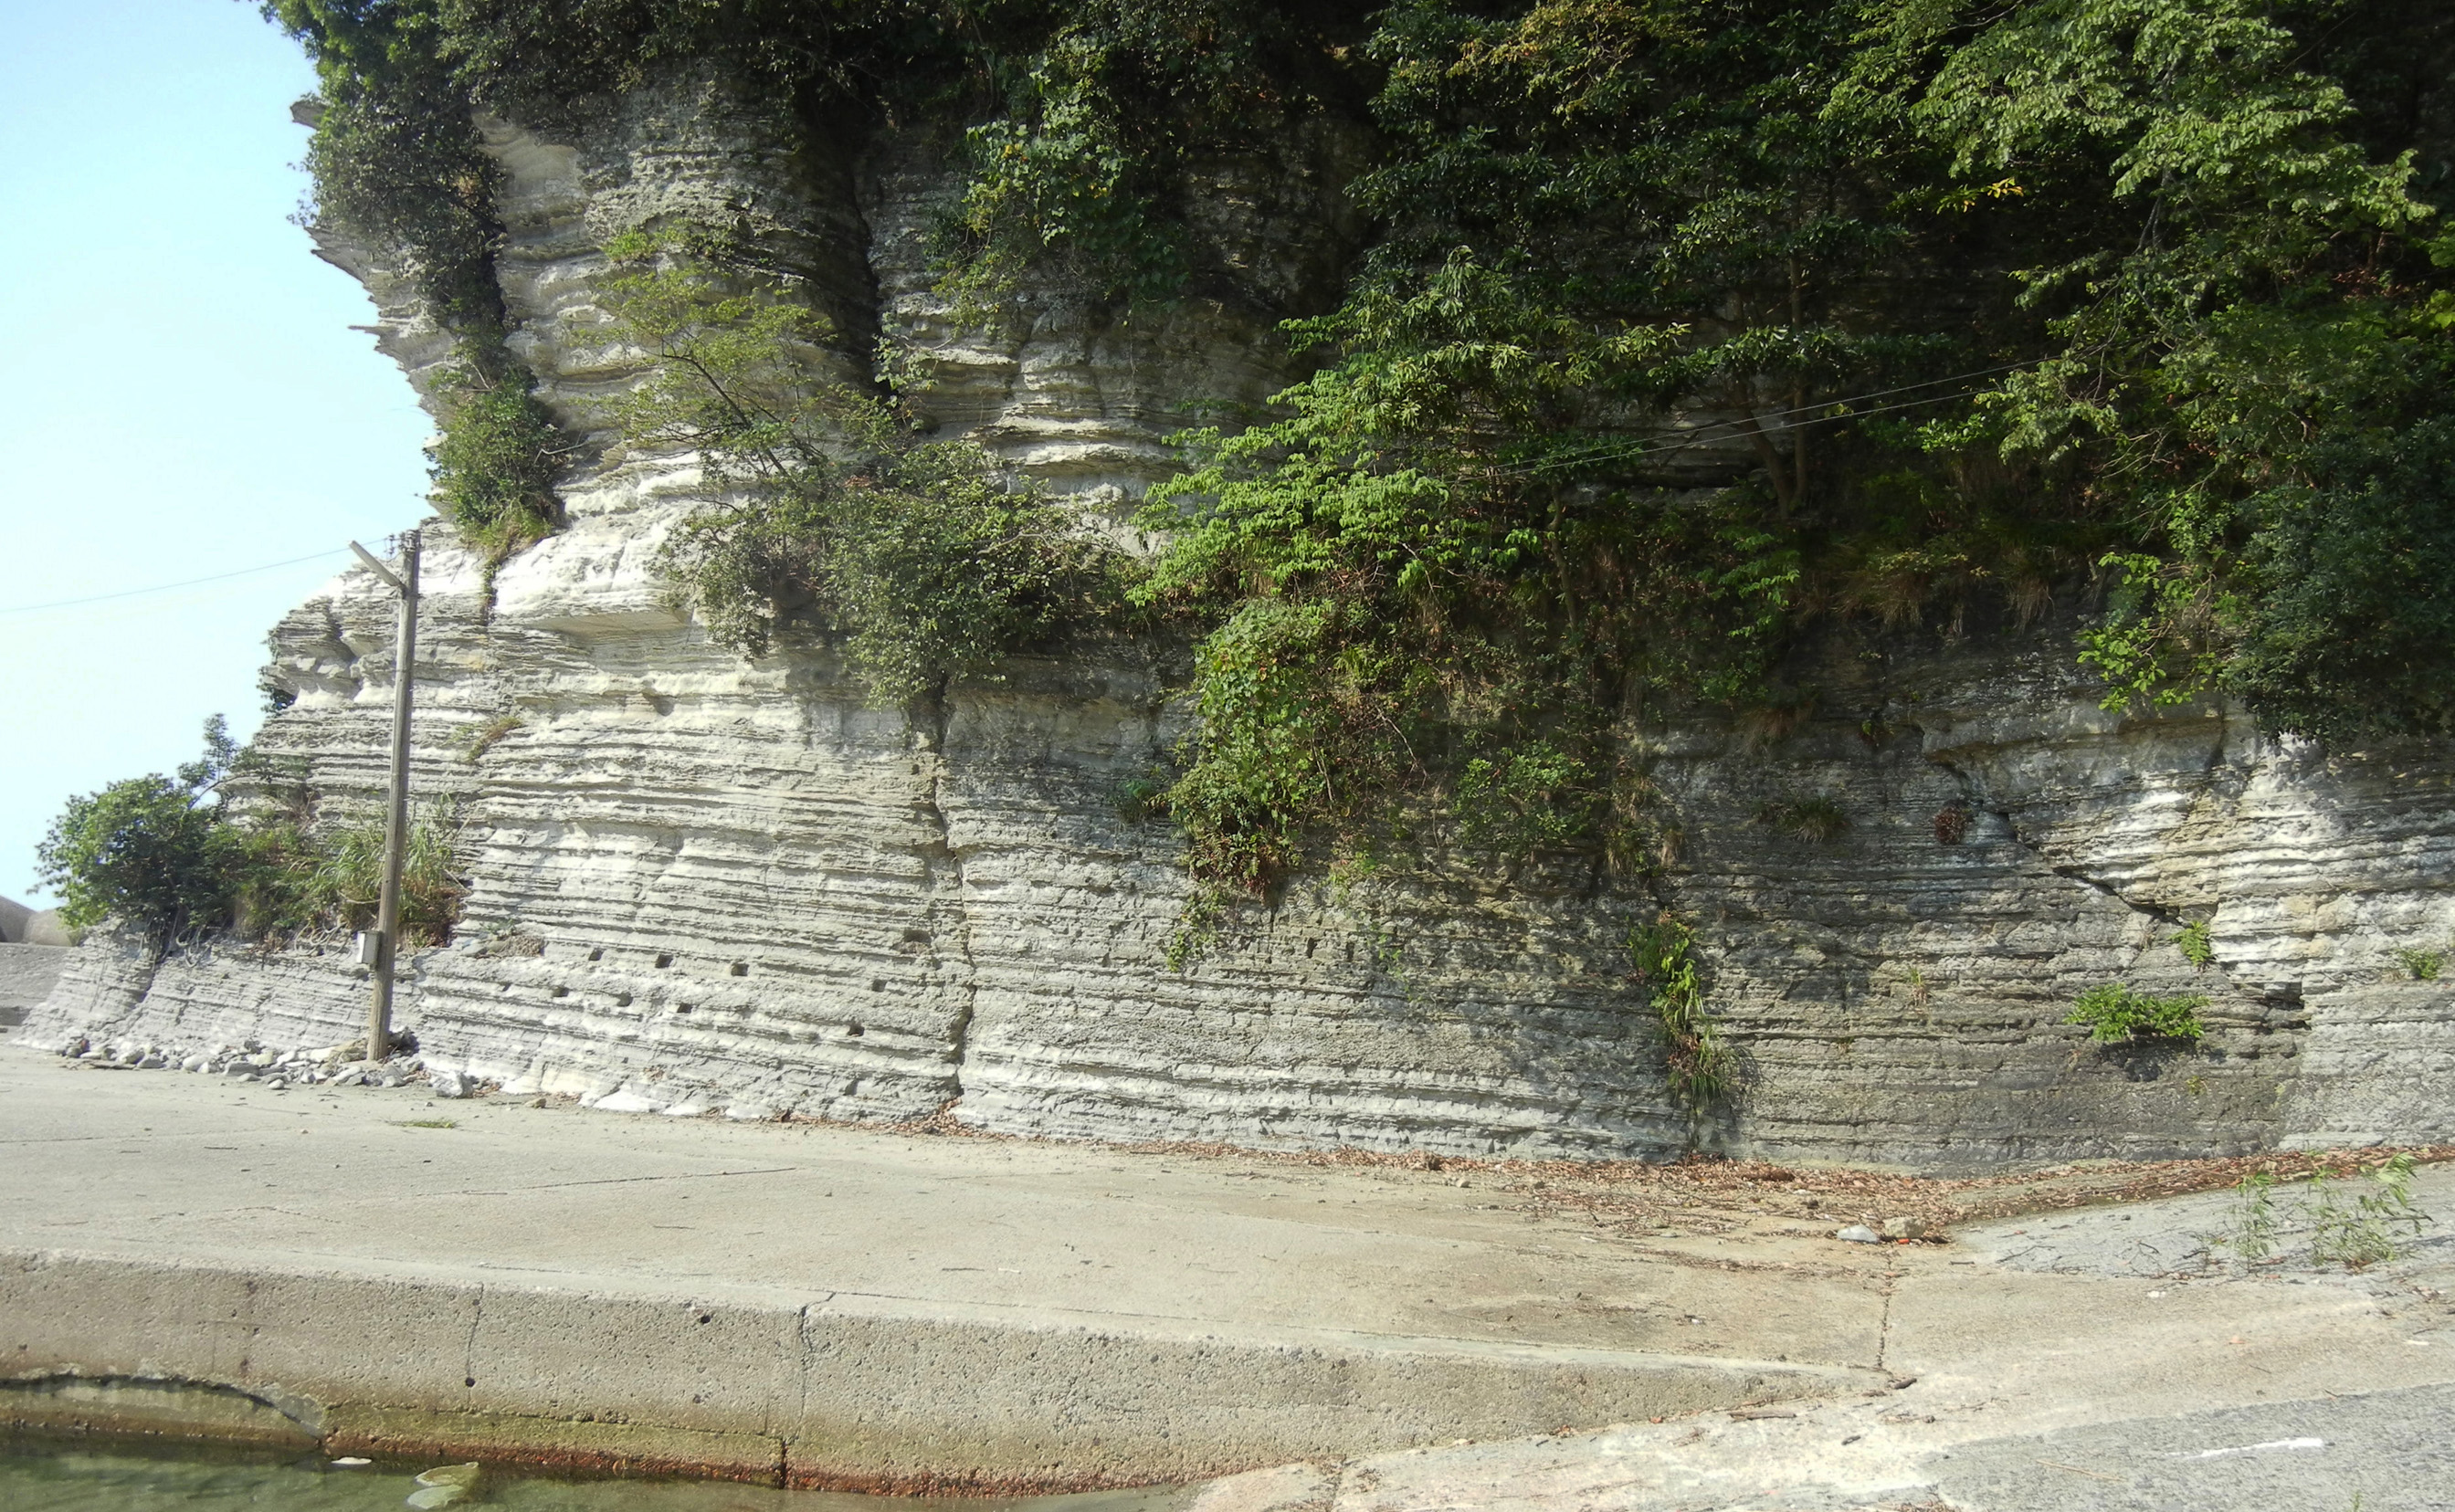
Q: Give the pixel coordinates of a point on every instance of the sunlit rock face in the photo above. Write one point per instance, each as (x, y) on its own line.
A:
(707, 882)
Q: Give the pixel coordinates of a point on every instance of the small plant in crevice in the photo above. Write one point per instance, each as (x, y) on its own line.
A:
(2196, 945)
(2114, 1012)
(1951, 824)
(486, 736)
(507, 938)
(1817, 818)
(1698, 1063)
(1196, 928)
(2420, 965)
(1143, 798)
(1776, 716)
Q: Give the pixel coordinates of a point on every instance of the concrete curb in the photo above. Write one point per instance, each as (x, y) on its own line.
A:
(841, 1392)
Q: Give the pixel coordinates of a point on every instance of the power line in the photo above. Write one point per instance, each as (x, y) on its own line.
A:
(1693, 441)
(1697, 437)
(164, 588)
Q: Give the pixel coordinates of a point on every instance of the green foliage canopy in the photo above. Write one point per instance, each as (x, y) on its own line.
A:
(1683, 325)
(151, 849)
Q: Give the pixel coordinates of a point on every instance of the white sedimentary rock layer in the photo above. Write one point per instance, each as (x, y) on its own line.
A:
(706, 883)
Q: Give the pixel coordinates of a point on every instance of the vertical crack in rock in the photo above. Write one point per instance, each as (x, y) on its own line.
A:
(949, 917)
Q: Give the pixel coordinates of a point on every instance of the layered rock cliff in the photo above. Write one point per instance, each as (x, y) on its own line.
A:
(723, 884)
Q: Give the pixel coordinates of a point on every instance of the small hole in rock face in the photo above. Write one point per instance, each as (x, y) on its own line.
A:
(663, 961)
(469, 1382)
(683, 1008)
(597, 955)
(740, 969)
(621, 999)
(855, 1030)
(877, 984)
(708, 1318)
(562, 992)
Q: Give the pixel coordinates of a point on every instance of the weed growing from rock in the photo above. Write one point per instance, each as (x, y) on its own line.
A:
(2421, 965)
(2115, 1013)
(1698, 1063)
(1818, 819)
(2354, 1219)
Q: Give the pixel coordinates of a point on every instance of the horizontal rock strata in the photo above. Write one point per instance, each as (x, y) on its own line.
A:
(702, 881)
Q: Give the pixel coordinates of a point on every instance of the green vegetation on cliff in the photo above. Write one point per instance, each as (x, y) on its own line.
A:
(915, 555)
(1681, 325)
(174, 857)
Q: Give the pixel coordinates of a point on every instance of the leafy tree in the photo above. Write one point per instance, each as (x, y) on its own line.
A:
(151, 849)
(168, 855)
(2248, 311)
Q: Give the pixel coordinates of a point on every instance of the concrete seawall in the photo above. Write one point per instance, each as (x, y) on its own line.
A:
(379, 1271)
(847, 1393)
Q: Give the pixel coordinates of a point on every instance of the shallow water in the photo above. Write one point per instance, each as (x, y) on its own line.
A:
(72, 1475)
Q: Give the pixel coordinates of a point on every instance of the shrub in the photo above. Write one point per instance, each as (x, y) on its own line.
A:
(167, 855)
(2114, 1012)
(1531, 798)
(496, 467)
(2420, 965)
(925, 561)
(153, 850)
(2196, 946)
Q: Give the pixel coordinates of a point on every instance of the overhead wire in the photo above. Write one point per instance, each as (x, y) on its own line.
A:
(1688, 441)
(165, 588)
(1696, 437)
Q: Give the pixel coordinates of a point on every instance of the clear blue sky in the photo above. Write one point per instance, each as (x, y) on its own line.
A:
(181, 392)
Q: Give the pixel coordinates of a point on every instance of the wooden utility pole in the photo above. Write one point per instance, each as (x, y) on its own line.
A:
(387, 936)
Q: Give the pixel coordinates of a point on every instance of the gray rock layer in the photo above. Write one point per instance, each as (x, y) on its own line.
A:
(27, 973)
(701, 881)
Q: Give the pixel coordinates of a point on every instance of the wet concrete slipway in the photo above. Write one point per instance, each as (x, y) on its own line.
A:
(379, 1273)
